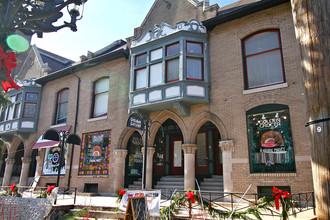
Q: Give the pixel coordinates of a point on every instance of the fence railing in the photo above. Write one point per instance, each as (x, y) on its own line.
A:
(64, 193)
(226, 201)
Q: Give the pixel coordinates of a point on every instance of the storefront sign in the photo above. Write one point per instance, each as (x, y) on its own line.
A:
(135, 121)
(52, 158)
(152, 197)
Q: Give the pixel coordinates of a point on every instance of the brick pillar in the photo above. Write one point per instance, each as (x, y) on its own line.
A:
(8, 171)
(189, 151)
(227, 148)
(24, 171)
(150, 156)
(119, 172)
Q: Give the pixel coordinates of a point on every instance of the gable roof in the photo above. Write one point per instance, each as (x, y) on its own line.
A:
(240, 9)
(54, 61)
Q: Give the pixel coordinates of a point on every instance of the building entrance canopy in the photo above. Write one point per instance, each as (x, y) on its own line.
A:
(44, 143)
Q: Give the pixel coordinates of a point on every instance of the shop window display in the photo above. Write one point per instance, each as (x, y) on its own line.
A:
(51, 161)
(95, 153)
(135, 156)
(270, 140)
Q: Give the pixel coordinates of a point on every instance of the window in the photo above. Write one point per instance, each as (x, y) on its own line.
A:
(141, 78)
(62, 106)
(141, 59)
(29, 110)
(270, 139)
(263, 59)
(100, 102)
(17, 106)
(10, 110)
(173, 61)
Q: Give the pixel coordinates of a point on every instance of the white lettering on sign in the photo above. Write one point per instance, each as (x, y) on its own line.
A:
(274, 122)
(97, 138)
(135, 122)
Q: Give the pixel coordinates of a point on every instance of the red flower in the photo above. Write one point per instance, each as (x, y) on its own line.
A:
(121, 192)
(191, 196)
(12, 187)
(278, 194)
(7, 62)
(49, 189)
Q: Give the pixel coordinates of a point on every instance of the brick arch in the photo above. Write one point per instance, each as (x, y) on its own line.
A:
(16, 141)
(125, 136)
(258, 26)
(161, 118)
(201, 119)
(264, 99)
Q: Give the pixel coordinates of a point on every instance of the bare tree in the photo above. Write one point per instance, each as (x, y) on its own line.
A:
(311, 19)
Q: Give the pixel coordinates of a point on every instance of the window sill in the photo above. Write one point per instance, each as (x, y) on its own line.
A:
(58, 125)
(97, 119)
(266, 88)
(274, 175)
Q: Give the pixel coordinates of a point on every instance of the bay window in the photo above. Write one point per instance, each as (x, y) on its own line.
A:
(263, 59)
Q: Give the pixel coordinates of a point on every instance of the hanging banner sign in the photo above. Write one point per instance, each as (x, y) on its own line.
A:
(135, 121)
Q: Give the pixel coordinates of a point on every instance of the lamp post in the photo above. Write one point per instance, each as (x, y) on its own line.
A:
(63, 137)
(141, 123)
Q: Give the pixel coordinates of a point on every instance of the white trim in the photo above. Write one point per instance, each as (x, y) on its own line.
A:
(58, 125)
(266, 88)
(97, 119)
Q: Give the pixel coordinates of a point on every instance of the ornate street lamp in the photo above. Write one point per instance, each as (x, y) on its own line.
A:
(63, 137)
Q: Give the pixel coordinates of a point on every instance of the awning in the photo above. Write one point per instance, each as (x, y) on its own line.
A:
(44, 143)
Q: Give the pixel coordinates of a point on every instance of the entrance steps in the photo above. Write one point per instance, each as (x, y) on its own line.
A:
(170, 183)
(214, 183)
(137, 185)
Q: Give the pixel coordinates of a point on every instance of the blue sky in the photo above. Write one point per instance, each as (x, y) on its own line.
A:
(103, 22)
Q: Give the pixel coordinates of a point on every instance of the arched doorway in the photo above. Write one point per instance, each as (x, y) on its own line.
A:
(3, 161)
(168, 157)
(18, 160)
(208, 154)
(134, 159)
(33, 164)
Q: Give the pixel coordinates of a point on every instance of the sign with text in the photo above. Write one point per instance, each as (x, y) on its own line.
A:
(135, 121)
(152, 198)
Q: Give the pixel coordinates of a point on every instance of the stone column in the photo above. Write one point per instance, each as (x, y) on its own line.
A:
(119, 171)
(8, 171)
(24, 171)
(227, 148)
(189, 151)
(150, 156)
(38, 167)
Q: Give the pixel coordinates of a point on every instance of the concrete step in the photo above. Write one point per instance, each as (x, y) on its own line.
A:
(211, 183)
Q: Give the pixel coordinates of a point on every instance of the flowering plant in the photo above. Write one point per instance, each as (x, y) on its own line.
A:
(14, 190)
(47, 192)
(120, 193)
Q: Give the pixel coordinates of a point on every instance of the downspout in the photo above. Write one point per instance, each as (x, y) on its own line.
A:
(75, 126)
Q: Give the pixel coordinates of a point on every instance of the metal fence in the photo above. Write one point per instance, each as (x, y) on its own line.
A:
(225, 201)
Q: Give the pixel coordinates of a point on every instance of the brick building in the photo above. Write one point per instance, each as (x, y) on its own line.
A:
(223, 86)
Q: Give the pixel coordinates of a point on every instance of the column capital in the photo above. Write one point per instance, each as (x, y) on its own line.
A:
(26, 159)
(10, 161)
(189, 148)
(38, 158)
(120, 153)
(150, 151)
(227, 145)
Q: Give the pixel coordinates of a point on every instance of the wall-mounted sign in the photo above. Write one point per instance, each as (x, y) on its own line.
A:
(135, 121)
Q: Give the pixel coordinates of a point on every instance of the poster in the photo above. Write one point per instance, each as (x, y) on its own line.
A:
(95, 153)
